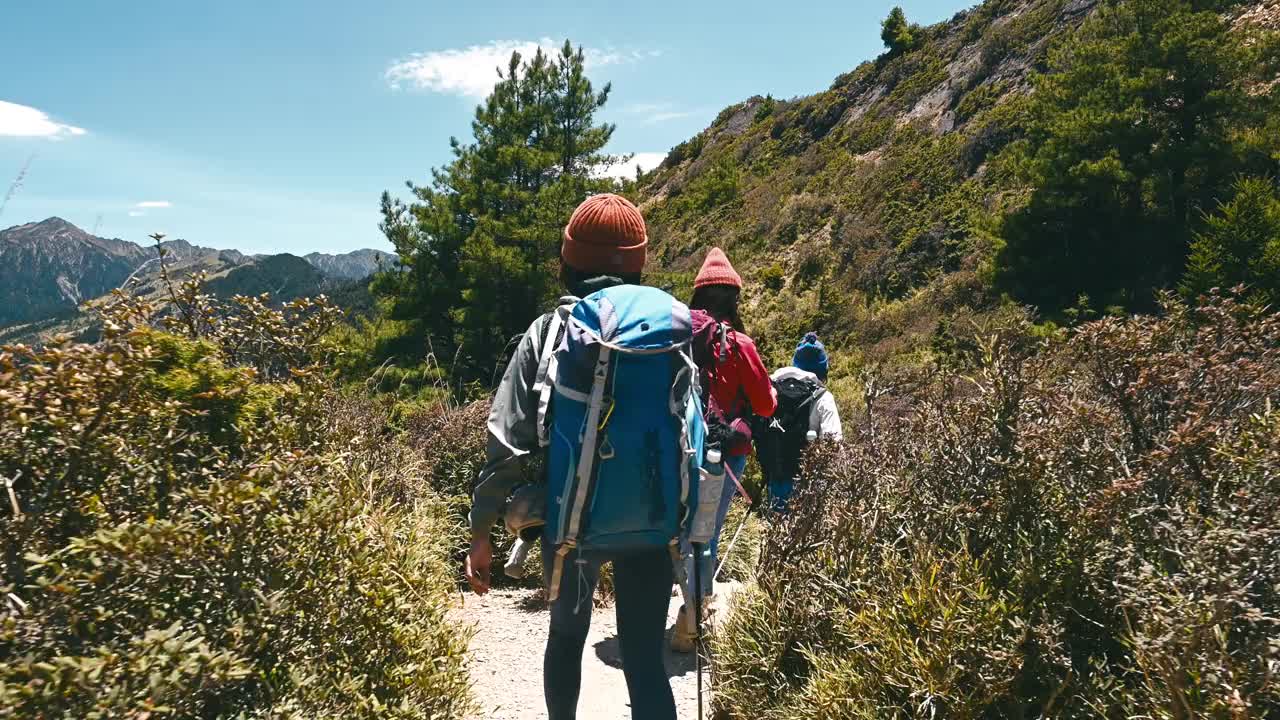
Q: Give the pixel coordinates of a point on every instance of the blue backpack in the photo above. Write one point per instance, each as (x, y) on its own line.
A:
(626, 430)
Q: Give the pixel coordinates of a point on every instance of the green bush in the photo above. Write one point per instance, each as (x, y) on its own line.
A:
(1240, 245)
(898, 35)
(202, 528)
(813, 265)
(451, 440)
(713, 189)
(688, 150)
(773, 277)
(1017, 34)
(765, 109)
(1060, 526)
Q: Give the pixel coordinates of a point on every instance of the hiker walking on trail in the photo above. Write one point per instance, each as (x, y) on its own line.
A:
(604, 386)
(735, 386)
(806, 413)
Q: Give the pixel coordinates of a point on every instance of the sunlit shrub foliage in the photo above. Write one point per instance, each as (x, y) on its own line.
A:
(1077, 526)
(196, 525)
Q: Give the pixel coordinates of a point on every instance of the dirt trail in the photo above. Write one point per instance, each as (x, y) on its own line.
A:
(506, 660)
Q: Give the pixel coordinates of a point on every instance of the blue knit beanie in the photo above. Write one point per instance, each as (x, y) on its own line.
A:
(811, 356)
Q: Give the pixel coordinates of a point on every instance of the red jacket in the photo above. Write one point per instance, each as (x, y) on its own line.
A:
(740, 383)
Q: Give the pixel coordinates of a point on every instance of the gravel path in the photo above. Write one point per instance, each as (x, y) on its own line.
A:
(506, 659)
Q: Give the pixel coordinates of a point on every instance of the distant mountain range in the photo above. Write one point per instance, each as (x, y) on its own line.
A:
(48, 269)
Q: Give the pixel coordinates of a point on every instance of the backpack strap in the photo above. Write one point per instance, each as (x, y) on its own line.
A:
(590, 437)
(818, 391)
(678, 403)
(544, 382)
(720, 352)
(571, 521)
(804, 409)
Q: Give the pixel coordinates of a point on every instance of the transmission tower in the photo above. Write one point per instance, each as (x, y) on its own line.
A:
(17, 183)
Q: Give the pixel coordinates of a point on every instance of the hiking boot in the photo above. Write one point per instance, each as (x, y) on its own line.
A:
(683, 637)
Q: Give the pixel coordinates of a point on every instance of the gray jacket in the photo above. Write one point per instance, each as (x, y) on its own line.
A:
(513, 428)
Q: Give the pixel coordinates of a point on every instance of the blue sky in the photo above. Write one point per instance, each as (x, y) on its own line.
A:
(273, 125)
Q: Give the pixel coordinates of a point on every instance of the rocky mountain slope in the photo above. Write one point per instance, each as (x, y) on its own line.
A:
(869, 211)
(48, 269)
(354, 265)
(862, 211)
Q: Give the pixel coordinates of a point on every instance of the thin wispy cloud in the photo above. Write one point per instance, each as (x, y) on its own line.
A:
(23, 121)
(644, 160)
(473, 71)
(654, 113)
(140, 208)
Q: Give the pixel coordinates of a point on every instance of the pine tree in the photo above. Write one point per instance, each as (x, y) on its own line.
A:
(1139, 128)
(898, 35)
(1240, 245)
(479, 246)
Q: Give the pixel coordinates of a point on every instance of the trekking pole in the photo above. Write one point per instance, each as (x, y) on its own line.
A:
(725, 556)
(697, 621)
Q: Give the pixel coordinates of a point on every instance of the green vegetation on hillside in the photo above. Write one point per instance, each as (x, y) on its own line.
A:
(1039, 151)
(1138, 129)
(284, 277)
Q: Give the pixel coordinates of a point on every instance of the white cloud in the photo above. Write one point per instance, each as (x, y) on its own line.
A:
(22, 121)
(140, 208)
(473, 71)
(669, 115)
(627, 170)
(654, 113)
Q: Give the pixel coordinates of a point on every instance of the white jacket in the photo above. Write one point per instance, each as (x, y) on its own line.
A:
(824, 417)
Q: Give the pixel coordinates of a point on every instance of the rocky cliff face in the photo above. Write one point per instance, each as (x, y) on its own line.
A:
(354, 265)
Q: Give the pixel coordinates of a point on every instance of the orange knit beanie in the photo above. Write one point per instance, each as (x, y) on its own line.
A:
(605, 234)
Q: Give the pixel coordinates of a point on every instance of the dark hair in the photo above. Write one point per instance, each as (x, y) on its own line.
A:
(581, 283)
(721, 302)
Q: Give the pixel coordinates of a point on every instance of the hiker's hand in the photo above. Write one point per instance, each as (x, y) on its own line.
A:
(479, 560)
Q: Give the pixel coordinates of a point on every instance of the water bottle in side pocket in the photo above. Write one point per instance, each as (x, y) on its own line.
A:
(711, 481)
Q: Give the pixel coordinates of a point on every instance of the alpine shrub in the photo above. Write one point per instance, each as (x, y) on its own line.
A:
(1077, 525)
(194, 529)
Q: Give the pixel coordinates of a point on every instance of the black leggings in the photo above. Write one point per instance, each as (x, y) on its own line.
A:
(642, 583)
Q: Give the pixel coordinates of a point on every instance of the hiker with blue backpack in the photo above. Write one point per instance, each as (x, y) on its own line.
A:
(606, 387)
(735, 387)
(806, 413)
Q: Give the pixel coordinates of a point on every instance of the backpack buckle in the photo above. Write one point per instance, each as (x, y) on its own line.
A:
(606, 449)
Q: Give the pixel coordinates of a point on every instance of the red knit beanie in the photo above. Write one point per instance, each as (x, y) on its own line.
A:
(716, 270)
(605, 234)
